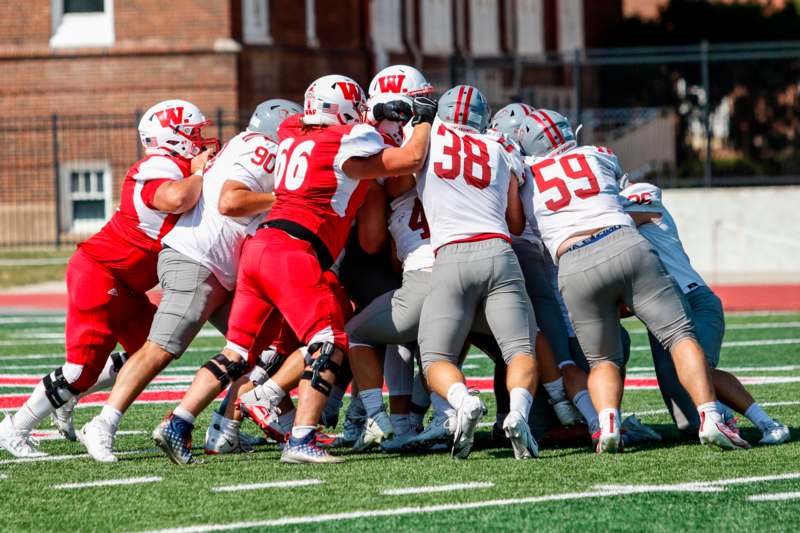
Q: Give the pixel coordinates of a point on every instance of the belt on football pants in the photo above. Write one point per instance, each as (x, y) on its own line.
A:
(593, 238)
(304, 234)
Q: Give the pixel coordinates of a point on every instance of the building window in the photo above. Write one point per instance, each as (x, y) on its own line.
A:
(255, 18)
(78, 23)
(85, 196)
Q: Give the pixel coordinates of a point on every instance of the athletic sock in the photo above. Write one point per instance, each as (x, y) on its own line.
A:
(709, 409)
(521, 401)
(583, 402)
(301, 432)
(180, 412)
(35, 409)
(555, 389)
(456, 394)
(417, 415)
(286, 420)
(419, 394)
(609, 420)
(441, 406)
(110, 416)
(400, 423)
(269, 391)
(757, 415)
(372, 400)
(725, 411)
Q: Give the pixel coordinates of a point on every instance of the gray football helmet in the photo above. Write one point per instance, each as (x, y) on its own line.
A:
(544, 131)
(464, 105)
(509, 118)
(269, 115)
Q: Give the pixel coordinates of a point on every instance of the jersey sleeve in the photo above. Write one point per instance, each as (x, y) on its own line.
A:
(149, 191)
(158, 167)
(361, 141)
(608, 160)
(642, 198)
(513, 155)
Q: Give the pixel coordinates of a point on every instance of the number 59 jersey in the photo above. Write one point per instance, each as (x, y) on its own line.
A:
(464, 186)
(573, 192)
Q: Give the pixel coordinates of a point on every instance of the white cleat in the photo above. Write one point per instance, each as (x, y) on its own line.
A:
(567, 413)
(517, 430)
(398, 443)
(18, 443)
(467, 418)
(774, 433)
(435, 435)
(222, 442)
(62, 419)
(720, 435)
(98, 439)
(376, 430)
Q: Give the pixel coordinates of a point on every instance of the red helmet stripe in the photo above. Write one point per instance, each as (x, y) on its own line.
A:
(528, 110)
(545, 128)
(553, 125)
(465, 111)
(458, 103)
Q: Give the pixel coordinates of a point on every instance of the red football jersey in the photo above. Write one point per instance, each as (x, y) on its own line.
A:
(311, 189)
(129, 243)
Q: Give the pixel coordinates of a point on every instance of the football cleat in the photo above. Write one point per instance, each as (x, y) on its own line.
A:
(466, 422)
(265, 415)
(221, 442)
(720, 435)
(517, 430)
(376, 430)
(567, 413)
(398, 443)
(306, 450)
(174, 436)
(18, 443)
(774, 433)
(608, 441)
(354, 421)
(435, 436)
(62, 419)
(635, 431)
(98, 438)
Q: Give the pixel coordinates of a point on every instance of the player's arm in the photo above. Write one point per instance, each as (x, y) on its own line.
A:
(395, 187)
(515, 215)
(371, 221)
(238, 200)
(179, 196)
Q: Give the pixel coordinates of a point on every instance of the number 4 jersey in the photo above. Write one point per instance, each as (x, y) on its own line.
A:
(573, 192)
(464, 186)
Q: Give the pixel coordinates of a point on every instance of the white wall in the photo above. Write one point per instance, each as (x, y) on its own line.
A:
(740, 235)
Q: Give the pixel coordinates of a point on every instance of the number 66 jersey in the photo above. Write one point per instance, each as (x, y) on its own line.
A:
(572, 192)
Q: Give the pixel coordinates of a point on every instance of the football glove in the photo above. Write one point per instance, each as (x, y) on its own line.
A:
(395, 111)
(424, 110)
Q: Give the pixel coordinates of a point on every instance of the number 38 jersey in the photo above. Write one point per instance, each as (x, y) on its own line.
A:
(311, 189)
(410, 231)
(203, 233)
(572, 192)
(464, 186)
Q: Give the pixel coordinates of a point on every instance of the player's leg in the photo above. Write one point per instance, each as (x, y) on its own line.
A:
(399, 374)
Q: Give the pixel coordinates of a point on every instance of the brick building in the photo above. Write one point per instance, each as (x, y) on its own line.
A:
(97, 63)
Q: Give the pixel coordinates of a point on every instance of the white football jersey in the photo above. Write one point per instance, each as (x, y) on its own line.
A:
(410, 231)
(662, 233)
(572, 192)
(464, 185)
(205, 235)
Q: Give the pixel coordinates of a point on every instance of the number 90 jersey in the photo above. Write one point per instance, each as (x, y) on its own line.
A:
(573, 192)
(311, 189)
(464, 186)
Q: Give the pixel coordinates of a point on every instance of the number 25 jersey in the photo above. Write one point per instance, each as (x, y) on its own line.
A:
(573, 192)
(464, 186)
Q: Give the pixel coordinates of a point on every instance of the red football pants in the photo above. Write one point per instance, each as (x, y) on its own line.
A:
(279, 272)
(101, 312)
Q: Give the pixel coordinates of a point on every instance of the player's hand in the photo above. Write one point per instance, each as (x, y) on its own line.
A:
(199, 161)
(424, 110)
(396, 111)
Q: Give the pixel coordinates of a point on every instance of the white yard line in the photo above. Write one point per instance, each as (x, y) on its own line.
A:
(737, 344)
(268, 485)
(664, 411)
(48, 458)
(438, 488)
(774, 497)
(332, 517)
(32, 319)
(3, 476)
(107, 483)
(734, 369)
(743, 326)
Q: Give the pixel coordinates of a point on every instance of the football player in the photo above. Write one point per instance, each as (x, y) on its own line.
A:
(603, 261)
(643, 202)
(198, 265)
(325, 158)
(470, 195)
(108, 275)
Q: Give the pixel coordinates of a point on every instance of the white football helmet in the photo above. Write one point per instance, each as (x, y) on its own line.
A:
(509, 118)
(464, 106)
(545, 131)
(332, 100)
(175, 126)
(400, 79)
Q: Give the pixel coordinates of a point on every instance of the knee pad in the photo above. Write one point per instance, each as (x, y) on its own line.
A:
(57, 389)
(322, 363)
(232, 370)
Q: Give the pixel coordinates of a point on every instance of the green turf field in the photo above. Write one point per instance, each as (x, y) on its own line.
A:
(674, 486)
